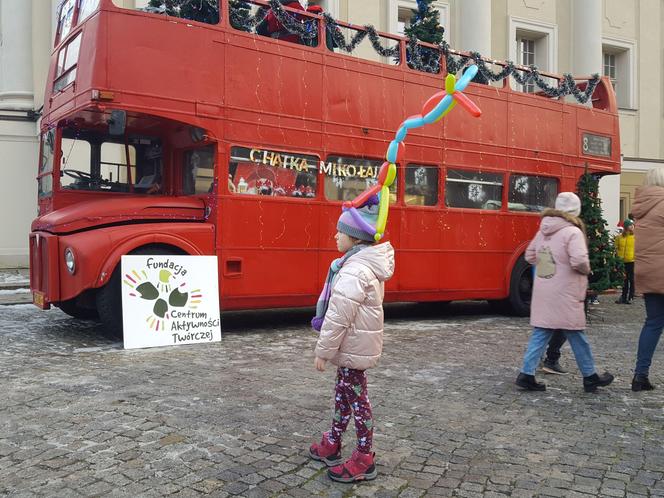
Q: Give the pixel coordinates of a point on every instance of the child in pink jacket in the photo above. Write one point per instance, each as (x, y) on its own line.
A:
(560, 254)
(349, 316)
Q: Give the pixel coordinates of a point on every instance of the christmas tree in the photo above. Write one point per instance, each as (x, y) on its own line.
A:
(607, 269)
(425, 24)
(206, 11)
(425, 27)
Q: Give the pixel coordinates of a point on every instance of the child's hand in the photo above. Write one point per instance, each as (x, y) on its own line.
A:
(319, 363)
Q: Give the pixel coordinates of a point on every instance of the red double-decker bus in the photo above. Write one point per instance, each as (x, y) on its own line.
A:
(166, 135)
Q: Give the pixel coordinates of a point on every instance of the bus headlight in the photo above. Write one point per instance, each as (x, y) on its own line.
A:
(70, 260)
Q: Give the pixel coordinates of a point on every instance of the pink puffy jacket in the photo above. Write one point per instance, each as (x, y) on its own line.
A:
(560, 253)
(352, 331)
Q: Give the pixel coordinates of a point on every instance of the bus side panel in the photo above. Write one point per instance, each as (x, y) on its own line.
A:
(535, 129)
(192, 71)
(95, 250)
(490, 130)
(358, 112)
(422, 236)
(475, 246)
(471, 259)
(289, 102)
(270, 248)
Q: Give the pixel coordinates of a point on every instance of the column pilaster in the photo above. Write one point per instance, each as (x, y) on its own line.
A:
(475, 26)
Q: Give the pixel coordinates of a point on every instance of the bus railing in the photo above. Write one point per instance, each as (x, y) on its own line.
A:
(366, 43)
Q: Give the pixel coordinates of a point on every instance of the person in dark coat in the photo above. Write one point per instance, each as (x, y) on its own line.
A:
(649, 211)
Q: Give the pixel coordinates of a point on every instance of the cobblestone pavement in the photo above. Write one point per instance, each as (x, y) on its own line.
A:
(81, 416)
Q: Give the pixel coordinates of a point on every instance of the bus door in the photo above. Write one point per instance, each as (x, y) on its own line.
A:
(422, 231)
(474, 255)
(269, 224)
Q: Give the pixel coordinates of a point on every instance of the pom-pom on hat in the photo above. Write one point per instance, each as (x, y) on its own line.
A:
(568, 202)
(359, 230)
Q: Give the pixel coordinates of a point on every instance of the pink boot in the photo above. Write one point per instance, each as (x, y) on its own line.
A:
(359, 467)
(326, 452)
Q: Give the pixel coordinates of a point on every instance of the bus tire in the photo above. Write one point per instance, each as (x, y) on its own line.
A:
(73, 309)
(521, 288)
(109, 297)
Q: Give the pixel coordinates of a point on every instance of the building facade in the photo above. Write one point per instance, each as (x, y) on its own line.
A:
(618, 38)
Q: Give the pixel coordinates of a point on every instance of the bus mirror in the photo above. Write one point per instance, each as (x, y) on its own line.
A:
(197, 134)
(117, 123)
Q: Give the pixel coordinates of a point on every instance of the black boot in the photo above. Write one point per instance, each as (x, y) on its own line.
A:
(529, 383)
(641, 383)
(592, 382)
(553, 367)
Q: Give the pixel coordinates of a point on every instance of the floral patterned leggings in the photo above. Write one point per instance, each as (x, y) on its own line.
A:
(351, 393)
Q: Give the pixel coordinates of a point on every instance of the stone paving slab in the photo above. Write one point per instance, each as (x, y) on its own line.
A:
(82, 417)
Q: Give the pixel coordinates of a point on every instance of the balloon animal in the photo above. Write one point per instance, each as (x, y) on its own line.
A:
(433, 111)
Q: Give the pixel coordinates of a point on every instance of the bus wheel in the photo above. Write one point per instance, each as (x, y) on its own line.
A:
(73, 309)
(109, 297)
(521, 288)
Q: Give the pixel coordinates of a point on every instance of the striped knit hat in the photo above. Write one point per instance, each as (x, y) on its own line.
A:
(349, 226)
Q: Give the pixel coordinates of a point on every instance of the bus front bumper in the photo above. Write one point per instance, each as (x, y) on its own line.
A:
(44, 269)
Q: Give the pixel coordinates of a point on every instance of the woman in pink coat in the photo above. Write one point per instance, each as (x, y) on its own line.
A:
(560, 254)
(349, 316)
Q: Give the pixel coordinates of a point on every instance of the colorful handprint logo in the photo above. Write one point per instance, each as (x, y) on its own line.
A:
(167, 295)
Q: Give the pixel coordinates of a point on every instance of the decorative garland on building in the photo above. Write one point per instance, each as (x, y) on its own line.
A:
(417, 55)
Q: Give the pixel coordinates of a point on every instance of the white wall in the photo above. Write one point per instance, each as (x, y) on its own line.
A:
(18, 191)
(609, 192)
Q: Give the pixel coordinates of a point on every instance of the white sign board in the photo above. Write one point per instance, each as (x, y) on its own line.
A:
(169, 300)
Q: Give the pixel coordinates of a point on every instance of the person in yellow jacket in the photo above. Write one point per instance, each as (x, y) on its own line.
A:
(625, 251)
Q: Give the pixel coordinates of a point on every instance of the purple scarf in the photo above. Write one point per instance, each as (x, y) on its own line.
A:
(324, 298)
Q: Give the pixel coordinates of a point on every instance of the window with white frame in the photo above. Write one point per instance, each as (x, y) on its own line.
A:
(609, 67)
(405, 15)
(533, 42)
(618, 64)
(527, 58)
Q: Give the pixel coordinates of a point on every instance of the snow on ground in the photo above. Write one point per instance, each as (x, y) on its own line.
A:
(4, 292)
(13, 276)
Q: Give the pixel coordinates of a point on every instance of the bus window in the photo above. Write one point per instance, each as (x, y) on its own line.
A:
(206, 11)
(531, 193)
(45, 183)
(272, 27)
(86, 8)
(90, 161)
(348, 177)
(198, 170)
(114, 162)
(67, 61)
(65, 18)
(421, 185)
(473, 189)
(274, 173)
(75, 159)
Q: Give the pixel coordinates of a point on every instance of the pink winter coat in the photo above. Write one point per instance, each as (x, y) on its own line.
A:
(560, 253)
(352, 331)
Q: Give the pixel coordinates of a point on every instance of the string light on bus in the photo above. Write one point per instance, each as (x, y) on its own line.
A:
(433, 111)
